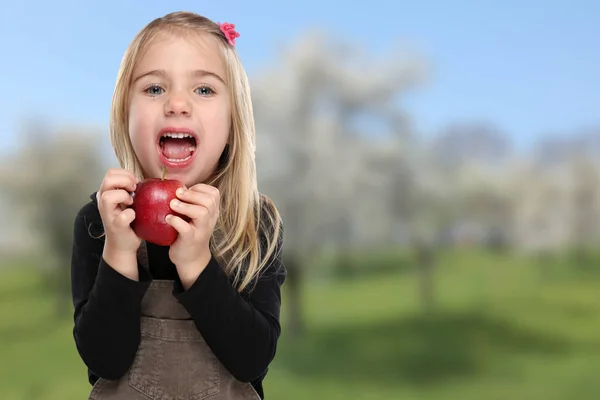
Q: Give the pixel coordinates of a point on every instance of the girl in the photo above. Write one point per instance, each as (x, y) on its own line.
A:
(200, 318)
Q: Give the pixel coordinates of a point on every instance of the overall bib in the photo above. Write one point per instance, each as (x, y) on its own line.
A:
(173, 362)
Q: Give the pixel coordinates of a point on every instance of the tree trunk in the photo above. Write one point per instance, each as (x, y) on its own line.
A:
(426, 265)
(57, 284)
(61, 274)
(294, 298)
(581, 256)
(63, 290)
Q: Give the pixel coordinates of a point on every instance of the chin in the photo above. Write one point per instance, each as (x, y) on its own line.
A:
(187, 176)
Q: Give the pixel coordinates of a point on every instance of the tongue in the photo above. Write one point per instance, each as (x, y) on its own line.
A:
(177, 149)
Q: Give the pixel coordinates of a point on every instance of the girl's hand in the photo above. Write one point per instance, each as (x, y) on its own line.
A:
(191, 251)
(113, 203)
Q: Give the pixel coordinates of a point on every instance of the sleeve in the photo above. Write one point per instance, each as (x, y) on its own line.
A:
(106, 305)
(242, 333)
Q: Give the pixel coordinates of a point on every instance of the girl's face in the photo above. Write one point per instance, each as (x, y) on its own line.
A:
(180, 110)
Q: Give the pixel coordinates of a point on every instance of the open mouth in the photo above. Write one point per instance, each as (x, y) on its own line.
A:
(177, 147)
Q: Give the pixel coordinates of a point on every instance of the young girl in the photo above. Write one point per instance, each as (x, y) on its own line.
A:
(200, 318)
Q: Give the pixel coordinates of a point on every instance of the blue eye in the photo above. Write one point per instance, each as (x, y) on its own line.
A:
(205, 91)
(154, 90)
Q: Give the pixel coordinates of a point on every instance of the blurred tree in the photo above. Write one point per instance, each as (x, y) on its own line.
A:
(430, 209)
(539, 201)
(585, 206)
(565, 179)
(48, 180)
(468, 143)
(559, 149)
(328, 127)
(486, 201)
(456, 195)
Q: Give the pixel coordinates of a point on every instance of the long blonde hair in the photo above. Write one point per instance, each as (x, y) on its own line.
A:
(249, 229)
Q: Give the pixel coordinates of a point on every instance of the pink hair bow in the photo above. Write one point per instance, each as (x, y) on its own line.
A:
(229, 32)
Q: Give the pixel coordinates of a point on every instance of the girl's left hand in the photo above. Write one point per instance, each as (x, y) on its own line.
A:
(191, 251)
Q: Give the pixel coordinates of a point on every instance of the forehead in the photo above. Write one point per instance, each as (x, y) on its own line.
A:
(182, 52)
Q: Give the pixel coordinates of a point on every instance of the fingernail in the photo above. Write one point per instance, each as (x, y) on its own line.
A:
(174, 202)
(179, 192)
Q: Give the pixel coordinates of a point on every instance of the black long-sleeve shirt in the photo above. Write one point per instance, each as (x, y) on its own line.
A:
(242, 329)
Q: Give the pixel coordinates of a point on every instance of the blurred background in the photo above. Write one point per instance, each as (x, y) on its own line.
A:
(437, 165)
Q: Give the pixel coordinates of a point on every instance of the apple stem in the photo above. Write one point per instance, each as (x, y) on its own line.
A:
(164, 173)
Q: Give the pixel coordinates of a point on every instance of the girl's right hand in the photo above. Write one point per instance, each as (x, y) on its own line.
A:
(114, 200)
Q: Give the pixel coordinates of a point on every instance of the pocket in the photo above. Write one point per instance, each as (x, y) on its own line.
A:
(174, 362)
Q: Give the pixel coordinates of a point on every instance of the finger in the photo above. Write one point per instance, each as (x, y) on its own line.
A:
(118, 181)
(118, 172)
(194, 197)
(199, 198)
(208, 189)
(184, 229)
(112, 198)
(125, 218)
(121, 171)
(192, 211)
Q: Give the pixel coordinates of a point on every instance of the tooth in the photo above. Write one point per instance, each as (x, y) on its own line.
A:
(176, 135)
(179, 160)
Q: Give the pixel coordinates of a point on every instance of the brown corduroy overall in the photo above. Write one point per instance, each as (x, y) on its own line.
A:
(173, 362)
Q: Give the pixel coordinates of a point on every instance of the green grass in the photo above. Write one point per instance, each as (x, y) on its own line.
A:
(504, 328)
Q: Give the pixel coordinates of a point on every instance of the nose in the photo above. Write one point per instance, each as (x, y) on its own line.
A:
(178, 104)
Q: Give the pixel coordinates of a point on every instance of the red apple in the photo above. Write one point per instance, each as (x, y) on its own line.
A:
(151, 203)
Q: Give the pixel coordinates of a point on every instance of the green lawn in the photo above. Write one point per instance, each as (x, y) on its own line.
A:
(504, 329)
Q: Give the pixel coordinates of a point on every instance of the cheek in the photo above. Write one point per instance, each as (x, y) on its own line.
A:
(223, 125)
(217, 126)
(139, 127)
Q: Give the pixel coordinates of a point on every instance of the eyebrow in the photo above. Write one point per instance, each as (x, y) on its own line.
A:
(163, 74)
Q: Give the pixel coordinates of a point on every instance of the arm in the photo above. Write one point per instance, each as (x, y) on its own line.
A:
(242, 333)
(107, 304)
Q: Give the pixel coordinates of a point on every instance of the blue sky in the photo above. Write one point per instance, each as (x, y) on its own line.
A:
(530, 67)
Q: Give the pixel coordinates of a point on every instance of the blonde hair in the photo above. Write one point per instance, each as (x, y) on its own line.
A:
(237, 240)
